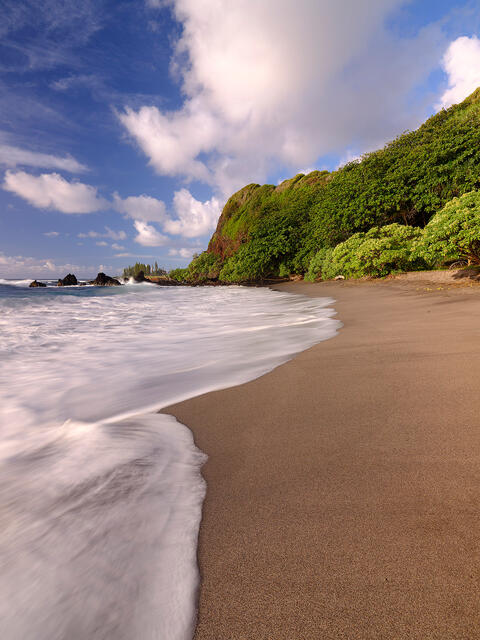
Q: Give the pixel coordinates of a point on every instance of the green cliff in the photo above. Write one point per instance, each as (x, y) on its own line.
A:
(269, 230)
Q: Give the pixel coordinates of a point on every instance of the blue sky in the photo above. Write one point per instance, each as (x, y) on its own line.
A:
(125, 126)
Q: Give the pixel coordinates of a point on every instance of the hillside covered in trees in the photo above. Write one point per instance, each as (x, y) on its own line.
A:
(294, 227)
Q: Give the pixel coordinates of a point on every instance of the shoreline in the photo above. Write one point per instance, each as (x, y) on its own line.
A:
(341, 486)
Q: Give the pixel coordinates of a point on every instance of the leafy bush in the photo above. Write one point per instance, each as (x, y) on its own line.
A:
(180, 275)
(206, 266)
(454, 232)
(270, 246)
(317, 264)
(380, 251)
(284, 270)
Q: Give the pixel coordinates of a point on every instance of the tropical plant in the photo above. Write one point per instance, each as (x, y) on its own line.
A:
(180, 275)
(376, 253)
(454, 232)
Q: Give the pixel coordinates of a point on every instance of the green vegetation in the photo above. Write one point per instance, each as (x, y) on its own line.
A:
(376, 253)
(180, 275)
(454, 232)
(148, 270)
(363, 219)
(203, 267)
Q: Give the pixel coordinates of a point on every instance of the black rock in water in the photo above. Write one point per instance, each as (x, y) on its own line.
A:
(35, 283)
(68, 281)
(105, 281)
(140, 277)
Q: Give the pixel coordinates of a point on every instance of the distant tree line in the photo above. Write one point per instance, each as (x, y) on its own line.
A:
(148, 270)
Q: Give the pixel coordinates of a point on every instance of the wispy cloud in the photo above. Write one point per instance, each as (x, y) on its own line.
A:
(60, 26)
(134, 255)
(51, 234)
(109, 233)
(89, 81)
(12, 157)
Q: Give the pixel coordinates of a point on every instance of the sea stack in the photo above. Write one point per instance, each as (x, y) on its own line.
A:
(68, 281)
(103, 280)
(140, 277)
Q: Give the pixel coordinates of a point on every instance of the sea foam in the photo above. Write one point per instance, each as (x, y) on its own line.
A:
(102, 496)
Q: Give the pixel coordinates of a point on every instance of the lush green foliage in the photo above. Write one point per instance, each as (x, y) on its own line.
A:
(203, 267)
(148, 270)
(378, 252)
(454, 232)
(318, 264)
(180, 275)
(206, 266)
(267, 230)
(267, 253)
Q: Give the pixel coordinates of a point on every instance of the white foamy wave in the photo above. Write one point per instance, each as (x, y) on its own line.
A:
(15, 283)
(102, 500)
(107, 548)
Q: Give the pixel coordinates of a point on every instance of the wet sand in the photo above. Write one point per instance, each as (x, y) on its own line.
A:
(343, 492)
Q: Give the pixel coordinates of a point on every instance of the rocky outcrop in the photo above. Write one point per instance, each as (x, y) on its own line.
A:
(103, 280)
(35, 283)
(140, 277)
(69, 281)
(166, 282)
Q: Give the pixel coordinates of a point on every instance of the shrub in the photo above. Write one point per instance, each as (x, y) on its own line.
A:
(380, 251)
(206, 266)
(284, 270)
(180, 275)
(316, 266)
(453, 232)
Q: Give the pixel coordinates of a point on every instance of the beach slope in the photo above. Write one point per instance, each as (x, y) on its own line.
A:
(343, 494)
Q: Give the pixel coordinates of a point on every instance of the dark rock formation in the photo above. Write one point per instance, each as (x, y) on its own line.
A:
(105, 281)
(166, 283)
(140, 277)
(35, 283)
(68, 281)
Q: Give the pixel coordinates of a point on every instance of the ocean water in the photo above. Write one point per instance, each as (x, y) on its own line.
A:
(100, 496)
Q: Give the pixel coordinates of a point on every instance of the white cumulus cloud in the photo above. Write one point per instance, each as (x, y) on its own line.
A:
(461, 63)
(272, 83)
(142, 207)
(193, 218)
(148, 236)
(184, 252)
(51, 191)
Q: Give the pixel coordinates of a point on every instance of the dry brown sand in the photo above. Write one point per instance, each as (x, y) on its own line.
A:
(343, 492)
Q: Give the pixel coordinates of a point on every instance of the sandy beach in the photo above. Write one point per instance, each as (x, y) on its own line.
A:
(343, 495)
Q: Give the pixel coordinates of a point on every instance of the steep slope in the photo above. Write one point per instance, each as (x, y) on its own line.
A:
(267, 230)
